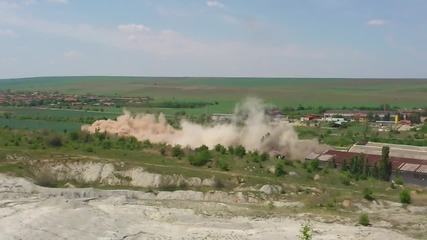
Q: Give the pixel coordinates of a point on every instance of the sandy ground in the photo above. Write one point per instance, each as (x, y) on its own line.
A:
(29, 212)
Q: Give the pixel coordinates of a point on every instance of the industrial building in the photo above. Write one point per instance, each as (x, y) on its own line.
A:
(410, 161)
(396, 150)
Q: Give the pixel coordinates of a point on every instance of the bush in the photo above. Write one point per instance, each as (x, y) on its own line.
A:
(231, 150)
(219, 148)
(177, 151)
(223, 165)
(305, 232)
(219, 183)
(240, 151)
(254, 156)
(367, 194)
(289, 162)
(398, 181)
(46, 179)
(54, 141)
(313, 165)
(200, 156)
(364, 219)
(88, 149)
(345, 181)
(278, 170)
(405, 196)
(264, 156)
(106, 144)
(162, 151)
(147, 144)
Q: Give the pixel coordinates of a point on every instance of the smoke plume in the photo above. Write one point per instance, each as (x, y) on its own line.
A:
(250, 127)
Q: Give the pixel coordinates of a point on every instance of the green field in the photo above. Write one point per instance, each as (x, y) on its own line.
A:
(227, 91)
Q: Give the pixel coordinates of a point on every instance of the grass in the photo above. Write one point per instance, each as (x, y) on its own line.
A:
(332, 92)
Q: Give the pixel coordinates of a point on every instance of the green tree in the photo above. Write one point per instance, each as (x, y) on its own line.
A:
(177, 151)
(231, 150)
(200, 156)
(375, 171)
(264, 156)
(162, 151)
(344, 165)
(240, 151)
(221, 149)
(332, 163)
(366, 169)
(385, 164)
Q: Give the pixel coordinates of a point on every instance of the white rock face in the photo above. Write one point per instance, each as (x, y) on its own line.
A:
(31, 212)
(106, 173)
(271, 189)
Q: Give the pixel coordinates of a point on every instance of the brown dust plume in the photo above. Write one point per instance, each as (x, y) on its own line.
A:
(250, 127)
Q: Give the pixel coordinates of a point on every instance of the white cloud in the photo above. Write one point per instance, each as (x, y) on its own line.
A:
(58, 1)
(214, 3)
(7, 33)
(376, 22)
(73, 54)
(133, 28)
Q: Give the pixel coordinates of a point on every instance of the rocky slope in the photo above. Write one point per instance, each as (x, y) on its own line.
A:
(28, 211)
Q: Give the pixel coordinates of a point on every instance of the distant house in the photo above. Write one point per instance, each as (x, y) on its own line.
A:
(70, 99)
(357, 114)
(221, 117)
(309, 117)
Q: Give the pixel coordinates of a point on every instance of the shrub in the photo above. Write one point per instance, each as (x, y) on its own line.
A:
(364, 219)
(405, 196)
(219, 183)
(367, 194)
(305, 232)
(54, 141)
(106, 144)
(177, 151)
(147, 144)
(223, 165)
(255, 156)
(289, 162)
(264, 156)
(278, 170)
(88, 149)
(313, 165)
(240, 151)
(162, 151)
(74, 136)
(219, 148)
(200, 156)
(345, 181)
(398, 181)
(231, 150)
(46, 179)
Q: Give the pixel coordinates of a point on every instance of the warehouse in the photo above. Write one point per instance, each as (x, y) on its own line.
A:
(410, 169)
(396, 150)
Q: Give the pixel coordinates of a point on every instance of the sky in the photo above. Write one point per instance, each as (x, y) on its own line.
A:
(214, 38)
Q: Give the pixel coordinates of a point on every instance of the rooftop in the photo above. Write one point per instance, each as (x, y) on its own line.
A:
(396, 150)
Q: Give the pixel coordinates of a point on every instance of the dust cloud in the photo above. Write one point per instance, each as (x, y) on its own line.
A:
(250, 127)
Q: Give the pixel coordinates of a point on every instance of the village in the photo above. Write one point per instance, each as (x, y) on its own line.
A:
(59, 100)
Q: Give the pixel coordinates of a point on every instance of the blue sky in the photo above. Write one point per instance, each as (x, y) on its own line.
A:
(269, 38)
